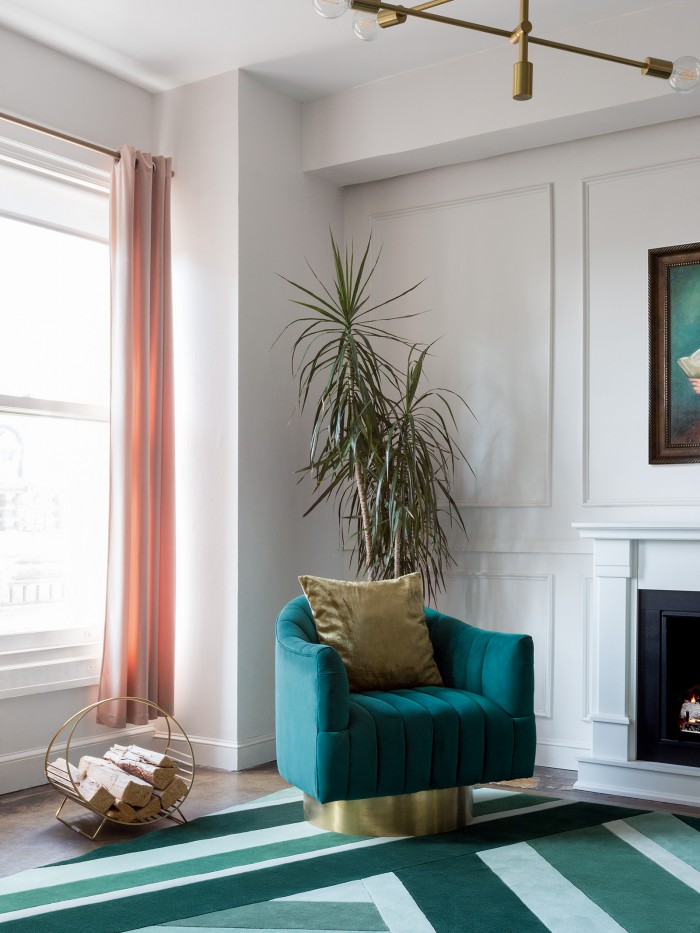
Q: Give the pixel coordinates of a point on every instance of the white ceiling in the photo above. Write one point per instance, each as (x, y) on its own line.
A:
(160, 44)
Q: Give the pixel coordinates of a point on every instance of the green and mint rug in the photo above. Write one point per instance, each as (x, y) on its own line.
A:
(525, 864)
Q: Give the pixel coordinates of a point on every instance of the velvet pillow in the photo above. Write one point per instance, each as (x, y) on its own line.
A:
(378, 629)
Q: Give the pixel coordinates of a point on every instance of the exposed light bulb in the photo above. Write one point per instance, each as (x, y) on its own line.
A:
(686, 74)
(331, 9)
(365, 25)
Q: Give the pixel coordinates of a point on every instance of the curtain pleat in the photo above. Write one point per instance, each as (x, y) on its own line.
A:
(139, 642)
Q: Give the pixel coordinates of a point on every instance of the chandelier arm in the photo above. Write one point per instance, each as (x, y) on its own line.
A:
(377, 6)
(548, 43)
(374, 6)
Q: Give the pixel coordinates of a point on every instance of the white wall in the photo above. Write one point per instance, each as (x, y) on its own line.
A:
(242, 212)
(536, 267)
(43, 86)
(55, 90)
(284, 218)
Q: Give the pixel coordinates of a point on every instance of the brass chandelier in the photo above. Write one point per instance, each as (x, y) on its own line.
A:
(371, 16)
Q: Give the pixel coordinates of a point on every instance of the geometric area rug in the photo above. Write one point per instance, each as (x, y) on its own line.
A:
(526, 864)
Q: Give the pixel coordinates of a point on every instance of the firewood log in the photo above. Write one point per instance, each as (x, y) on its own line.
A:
(122, 811)
(172, 793)
(136, 753)
(125, 787)
(60, 769)
(151, 808)
(152, 774)
(96, 795)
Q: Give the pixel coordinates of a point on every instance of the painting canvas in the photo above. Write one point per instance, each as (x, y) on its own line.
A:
(674, 344)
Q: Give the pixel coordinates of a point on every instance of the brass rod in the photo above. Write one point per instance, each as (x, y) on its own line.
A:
(448, 20)
(591, 54)
(494, 31)
(430, 3)
(18, 121)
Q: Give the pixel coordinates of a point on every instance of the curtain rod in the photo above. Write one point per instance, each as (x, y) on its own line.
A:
(18, 121)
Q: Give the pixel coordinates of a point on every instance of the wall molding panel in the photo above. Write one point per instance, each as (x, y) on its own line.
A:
(448, 241)
(517, 603)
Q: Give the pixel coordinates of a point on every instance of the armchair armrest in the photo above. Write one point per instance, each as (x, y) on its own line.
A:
(309, 676)
(496, 665)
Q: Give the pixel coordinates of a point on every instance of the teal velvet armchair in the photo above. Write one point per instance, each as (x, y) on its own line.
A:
(340, 746)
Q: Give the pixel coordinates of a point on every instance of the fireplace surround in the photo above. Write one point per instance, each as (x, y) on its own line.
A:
(629, 560)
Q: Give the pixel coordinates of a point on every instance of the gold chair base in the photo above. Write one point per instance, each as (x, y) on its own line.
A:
(421, 814)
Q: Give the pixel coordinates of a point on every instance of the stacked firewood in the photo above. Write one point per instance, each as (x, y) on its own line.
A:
(129, 784)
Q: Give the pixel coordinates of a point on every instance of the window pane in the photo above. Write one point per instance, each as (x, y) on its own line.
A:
(53, 520)
(54, 318)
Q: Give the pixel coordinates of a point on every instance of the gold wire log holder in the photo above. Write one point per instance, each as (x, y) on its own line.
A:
(66, 785)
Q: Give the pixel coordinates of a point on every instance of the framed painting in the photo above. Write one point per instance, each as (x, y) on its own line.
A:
(674, 354)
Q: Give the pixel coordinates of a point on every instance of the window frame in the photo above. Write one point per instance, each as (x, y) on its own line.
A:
(43, 659)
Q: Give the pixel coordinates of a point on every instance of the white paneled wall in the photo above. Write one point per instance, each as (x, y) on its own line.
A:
(626, 213)
(535, 269)
(471, 296)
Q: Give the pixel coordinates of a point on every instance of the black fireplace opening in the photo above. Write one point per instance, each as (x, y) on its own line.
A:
(668, 677)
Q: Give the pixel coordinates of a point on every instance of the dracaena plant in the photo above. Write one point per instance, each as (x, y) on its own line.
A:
(382, 445)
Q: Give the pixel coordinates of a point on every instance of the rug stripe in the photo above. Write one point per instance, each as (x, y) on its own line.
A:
(398, 909)
(278, 915)
(244, 820)
(350, 892)
(462, 894)
(513, 801)
(637, 893)
(170, 883)
(65, 874)
(671, 833)
(181, 929)
(656, 853)
(560, 905)
(517, 811)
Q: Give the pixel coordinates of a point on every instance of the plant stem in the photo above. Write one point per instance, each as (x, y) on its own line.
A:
(362, 495)
(397, 554)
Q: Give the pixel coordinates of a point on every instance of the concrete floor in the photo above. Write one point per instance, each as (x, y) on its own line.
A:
(30, 835)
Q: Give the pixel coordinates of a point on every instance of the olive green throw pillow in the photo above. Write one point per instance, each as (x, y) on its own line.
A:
(378, 629)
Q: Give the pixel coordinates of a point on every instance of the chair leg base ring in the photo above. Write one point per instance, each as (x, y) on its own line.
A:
(421, 814)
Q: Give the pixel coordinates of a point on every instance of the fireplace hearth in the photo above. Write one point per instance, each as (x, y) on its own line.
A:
(668, 675)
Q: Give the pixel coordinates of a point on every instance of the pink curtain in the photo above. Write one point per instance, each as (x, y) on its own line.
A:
(139, 626)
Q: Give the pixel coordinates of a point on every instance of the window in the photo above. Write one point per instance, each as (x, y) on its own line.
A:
(54, 420)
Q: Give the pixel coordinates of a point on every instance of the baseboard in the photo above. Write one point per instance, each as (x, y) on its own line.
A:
(20, 770)
(230, 756)
(555, 755)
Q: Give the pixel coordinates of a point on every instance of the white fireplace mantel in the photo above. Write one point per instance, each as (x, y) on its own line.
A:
(627, 558)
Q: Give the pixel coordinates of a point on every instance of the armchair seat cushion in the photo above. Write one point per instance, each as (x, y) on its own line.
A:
(405, 741)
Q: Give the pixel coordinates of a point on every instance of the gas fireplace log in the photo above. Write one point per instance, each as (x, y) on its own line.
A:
(136, 753)
(152, 774)
(172, 793)
(124, 787)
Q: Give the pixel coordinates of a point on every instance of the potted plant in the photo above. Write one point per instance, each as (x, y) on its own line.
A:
(382, 443)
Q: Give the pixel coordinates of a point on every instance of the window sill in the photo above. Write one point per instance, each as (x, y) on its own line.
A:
(40, 668)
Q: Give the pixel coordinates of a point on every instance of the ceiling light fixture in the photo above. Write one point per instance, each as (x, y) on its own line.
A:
(371, 16)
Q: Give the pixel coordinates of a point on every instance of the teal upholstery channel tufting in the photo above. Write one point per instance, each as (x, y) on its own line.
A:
(337, 745)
